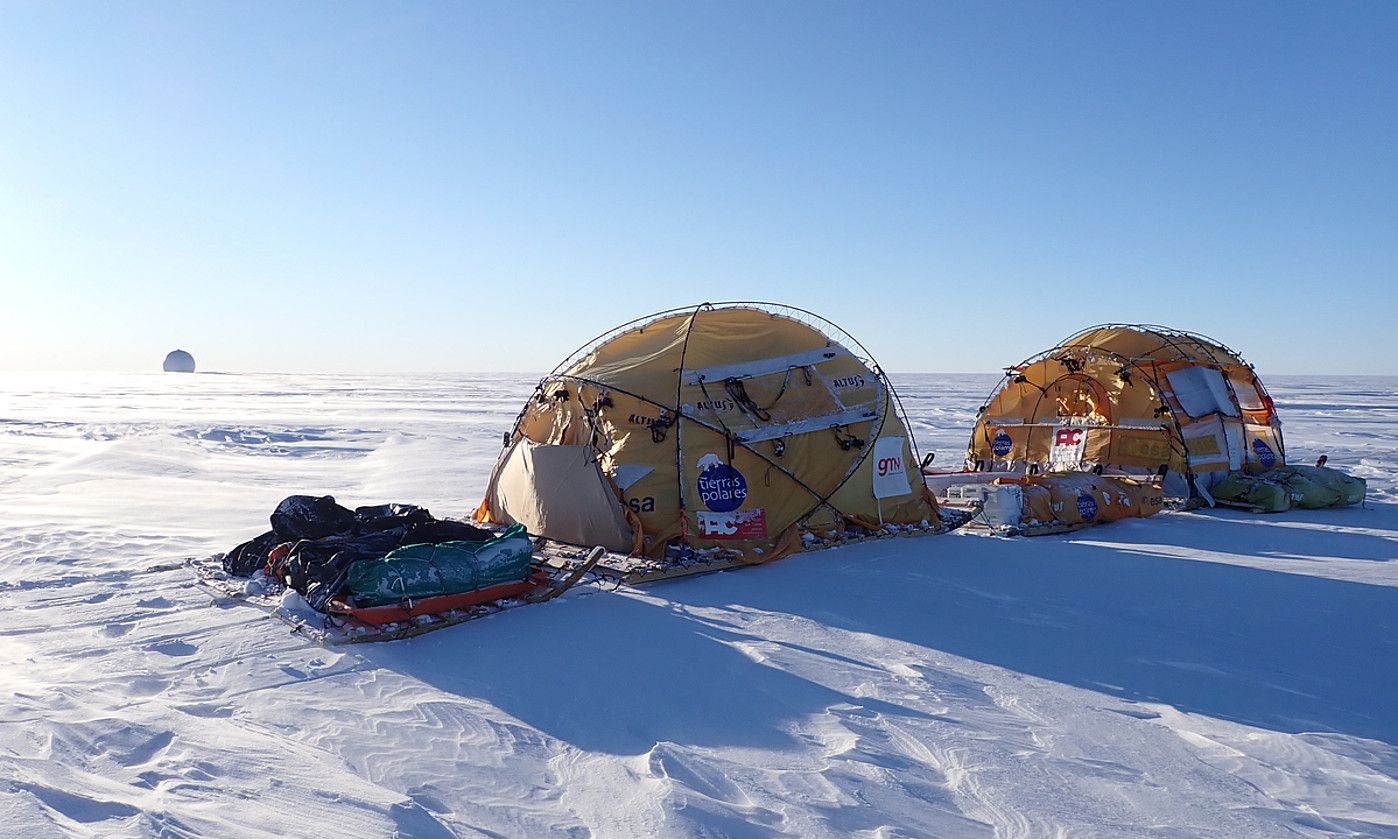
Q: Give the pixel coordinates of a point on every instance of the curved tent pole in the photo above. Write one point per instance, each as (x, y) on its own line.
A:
(883, 420)
(1205, 342)
(680, 417)
(825, 326)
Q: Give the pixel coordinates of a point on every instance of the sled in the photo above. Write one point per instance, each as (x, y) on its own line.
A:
(1000, 503)
(555, 568)
(684, 561)
(344, 623)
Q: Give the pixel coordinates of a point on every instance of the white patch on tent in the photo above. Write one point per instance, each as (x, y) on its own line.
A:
(626, 476)
(890, 470)
(738, 524)
(763, 366)
(1202, 391)
(1067, 449)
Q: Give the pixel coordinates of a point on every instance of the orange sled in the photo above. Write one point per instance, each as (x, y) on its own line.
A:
(536, 583)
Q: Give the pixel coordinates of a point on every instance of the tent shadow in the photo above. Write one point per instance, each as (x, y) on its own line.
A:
(1283, 651)
(617, 674)
(1294, 534)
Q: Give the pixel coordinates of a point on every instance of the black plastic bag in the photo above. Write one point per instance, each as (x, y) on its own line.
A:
(245, 559)
(310, 517)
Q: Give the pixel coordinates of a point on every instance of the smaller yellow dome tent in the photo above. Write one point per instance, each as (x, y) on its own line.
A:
(738, 426)
(1135, 400)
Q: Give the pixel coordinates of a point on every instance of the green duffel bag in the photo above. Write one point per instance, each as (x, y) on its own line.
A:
(1269, 496)
(415, 572)
(1341, 488)
(1311, 494)
(1308, 487)
(1266, 494)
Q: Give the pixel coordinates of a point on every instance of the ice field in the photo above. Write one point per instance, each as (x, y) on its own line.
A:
(1200, 674)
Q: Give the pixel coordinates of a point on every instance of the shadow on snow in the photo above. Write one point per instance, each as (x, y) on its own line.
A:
(1288, 652)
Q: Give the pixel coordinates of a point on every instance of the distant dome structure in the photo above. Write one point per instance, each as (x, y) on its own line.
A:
(179, 361)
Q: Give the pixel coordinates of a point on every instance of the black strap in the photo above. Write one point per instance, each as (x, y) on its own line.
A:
(734, 386)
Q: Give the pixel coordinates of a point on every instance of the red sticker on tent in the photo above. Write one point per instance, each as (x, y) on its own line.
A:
(749, 525)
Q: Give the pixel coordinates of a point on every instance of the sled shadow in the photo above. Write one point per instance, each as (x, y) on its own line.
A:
(1287, 652)
(617, 674)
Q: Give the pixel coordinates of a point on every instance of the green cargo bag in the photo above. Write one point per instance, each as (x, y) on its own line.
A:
(1346, 489)
(1307, 487)
(1266, 494)
(415, 572)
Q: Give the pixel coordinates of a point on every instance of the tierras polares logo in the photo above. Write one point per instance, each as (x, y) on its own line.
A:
(1265, 455)
(721, 487)
(1087, 507)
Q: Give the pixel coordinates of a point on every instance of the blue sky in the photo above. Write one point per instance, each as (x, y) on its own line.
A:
(471, 186)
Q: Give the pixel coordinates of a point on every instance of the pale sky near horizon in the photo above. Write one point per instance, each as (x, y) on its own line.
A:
(470, 186)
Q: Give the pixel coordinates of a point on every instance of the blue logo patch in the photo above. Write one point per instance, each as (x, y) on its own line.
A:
(1087, 507)
(1265, 455)
(722, 488)
(1001, 444)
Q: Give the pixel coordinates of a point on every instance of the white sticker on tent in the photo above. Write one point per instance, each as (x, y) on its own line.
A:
(1201, 391)
(738, 524)
(627, 475)
(1066, 451)
(890, 472)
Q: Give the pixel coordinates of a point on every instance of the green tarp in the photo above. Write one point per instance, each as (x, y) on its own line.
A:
(1309, 487)
(414, 572)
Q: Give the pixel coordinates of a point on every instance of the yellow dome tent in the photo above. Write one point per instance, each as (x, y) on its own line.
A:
(741, 427)
(1134, 400)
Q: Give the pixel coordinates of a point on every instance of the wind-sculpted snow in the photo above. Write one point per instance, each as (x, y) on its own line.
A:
(1210, 673)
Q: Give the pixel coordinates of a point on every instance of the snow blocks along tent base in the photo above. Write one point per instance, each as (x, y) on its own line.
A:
(684, 560)
(1306, 487)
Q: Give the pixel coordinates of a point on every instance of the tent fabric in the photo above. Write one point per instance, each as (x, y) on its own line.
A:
(559, 490)
(1131, 400)
(730, 426)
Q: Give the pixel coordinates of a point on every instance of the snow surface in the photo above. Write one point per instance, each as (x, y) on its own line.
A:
(1198, 674)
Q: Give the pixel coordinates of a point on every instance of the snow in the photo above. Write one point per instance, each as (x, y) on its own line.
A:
(1209, 673)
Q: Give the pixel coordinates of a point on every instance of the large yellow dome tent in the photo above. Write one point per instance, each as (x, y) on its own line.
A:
(737, 427)
(1135, 400)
